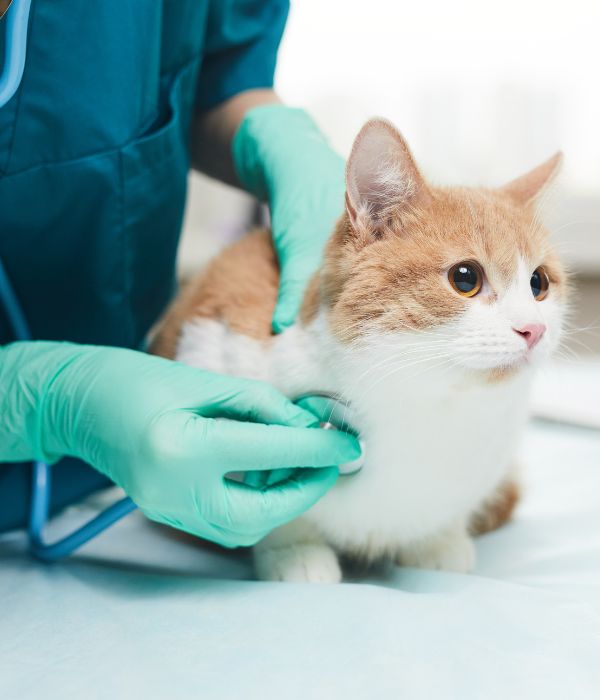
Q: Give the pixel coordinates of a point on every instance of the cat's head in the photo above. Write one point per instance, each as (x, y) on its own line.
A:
(469, 274)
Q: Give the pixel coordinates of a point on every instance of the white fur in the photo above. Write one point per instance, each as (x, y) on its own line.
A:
(439, 437)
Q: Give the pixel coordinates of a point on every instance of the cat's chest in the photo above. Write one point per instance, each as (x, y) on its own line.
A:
(434, 450)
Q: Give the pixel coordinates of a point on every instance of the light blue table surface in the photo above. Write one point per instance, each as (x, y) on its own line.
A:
(138, 614)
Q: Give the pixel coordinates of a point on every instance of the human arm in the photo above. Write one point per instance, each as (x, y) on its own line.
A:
(213, 131)
(243, 135)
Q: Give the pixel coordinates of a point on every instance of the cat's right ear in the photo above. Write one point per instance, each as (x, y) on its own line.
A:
(382, 179)
(529, 188)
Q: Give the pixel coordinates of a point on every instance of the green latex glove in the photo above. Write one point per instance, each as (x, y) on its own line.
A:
(167, 434)
(282, 157)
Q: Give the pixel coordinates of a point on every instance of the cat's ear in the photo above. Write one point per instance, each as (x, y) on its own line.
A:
(531, 186)
(382, 179)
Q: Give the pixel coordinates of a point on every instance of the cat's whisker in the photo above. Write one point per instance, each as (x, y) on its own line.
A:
(408, 352)
(367, 333)
(578, 222)
(414, 342)
(405, 365)
(567, 355)
(413, 347)
(581, 343)
(400, 367)
(591, 329)
(445, 361)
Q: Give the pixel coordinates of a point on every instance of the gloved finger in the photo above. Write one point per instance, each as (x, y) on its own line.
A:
(233, 538)
(328, 410)
(289, 302)
(198, 528)
(297, 267)
(257, 402)
(221, 535)
(251, 446)
(261, 479)
(271, 507)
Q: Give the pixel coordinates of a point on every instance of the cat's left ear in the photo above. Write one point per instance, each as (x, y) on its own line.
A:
(530, 187)
(382, 179)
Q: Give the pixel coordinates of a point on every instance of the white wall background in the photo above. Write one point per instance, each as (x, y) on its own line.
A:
(482, 91)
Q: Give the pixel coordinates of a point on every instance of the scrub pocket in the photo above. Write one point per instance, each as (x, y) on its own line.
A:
(154, 180)
(104, 229)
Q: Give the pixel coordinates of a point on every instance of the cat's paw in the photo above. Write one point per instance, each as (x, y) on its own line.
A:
(447, 553)
(301, 563)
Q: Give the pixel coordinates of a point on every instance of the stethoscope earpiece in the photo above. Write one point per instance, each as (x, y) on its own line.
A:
(15, 16)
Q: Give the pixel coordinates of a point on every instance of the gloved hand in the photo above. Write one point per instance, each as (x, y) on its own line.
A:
(281, 156)
(167, 434)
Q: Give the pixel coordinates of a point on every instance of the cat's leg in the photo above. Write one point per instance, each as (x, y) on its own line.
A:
(451, 549)
(296, 552)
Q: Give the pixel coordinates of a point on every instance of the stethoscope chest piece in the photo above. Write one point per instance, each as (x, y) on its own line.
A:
(356, 465)
(334, 417)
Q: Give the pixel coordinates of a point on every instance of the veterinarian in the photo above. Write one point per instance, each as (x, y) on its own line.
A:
(118, 98)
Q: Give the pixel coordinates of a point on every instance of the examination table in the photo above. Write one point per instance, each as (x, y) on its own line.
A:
(140, 614)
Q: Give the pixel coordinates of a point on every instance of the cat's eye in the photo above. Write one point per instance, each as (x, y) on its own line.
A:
(539, 283)
(466, 278)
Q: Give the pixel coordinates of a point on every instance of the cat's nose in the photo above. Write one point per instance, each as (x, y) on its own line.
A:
(532, 333)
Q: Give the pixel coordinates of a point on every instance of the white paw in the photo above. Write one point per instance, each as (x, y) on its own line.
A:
(447, 553)
(301, 563)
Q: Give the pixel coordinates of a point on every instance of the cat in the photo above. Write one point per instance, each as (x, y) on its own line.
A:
(429, 314)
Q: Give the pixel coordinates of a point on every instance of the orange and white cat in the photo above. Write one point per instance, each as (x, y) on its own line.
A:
(429, 314)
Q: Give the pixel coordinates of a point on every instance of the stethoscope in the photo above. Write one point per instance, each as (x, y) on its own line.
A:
(16, 19)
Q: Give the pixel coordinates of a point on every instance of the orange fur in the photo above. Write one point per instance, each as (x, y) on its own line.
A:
(238, 287)
(498, 509)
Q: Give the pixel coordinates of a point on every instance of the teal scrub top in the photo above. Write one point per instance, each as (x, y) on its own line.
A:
(94, 151)
(94, 159)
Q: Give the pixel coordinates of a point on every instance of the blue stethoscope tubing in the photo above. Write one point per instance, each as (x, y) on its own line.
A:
(42, 472)
(17, 21)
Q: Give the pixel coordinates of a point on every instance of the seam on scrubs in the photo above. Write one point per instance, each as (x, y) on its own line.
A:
(126, 271)
(161, 146)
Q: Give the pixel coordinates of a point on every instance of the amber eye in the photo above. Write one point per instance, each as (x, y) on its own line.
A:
(539, 283)
(466, 278)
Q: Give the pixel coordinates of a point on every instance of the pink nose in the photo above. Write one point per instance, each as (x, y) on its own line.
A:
(532, 333)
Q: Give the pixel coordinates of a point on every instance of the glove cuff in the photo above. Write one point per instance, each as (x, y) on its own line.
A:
(271, 138)
(28, 372)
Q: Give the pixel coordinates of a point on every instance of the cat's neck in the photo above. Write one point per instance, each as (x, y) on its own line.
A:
(300, 360)
(387, 371)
